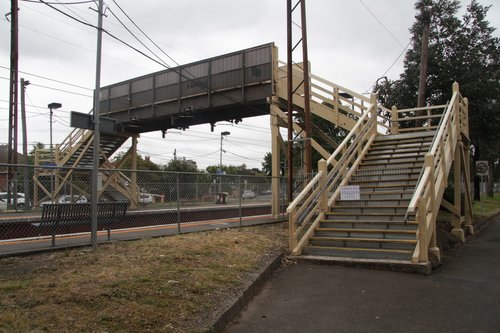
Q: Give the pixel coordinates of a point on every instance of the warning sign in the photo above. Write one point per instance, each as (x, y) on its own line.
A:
(349, 192)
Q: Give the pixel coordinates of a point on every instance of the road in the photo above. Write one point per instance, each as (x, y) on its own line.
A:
(463, 295)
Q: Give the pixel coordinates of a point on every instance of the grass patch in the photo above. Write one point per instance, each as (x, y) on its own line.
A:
(487, 206)
(171, 284)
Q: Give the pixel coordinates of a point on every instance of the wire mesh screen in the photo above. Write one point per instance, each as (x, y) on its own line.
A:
(50, 207)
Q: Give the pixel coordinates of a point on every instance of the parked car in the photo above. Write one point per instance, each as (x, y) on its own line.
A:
(3, 200)
(66, 199)
(248, 194)
(145, 198)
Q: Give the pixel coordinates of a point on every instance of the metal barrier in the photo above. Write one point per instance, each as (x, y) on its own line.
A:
(166, 203)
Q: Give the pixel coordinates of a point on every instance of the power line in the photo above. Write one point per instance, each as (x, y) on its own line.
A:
(388, 69)
(61, 3)
(48, 78)
(381, 23)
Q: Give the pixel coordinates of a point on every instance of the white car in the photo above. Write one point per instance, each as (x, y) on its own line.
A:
(145, 198)
(66, 199)
(3, 200)
(248, 194)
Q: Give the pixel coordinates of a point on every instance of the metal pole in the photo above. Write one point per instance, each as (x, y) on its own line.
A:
(95, 168)
(51, 159)
(220, 164)
(178, 207)
(307, 97)
(12, 140)
(289, 99)
(239, 194)
(27, 197)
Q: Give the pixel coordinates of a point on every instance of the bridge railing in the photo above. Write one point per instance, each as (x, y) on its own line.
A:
(429, 190)
(308, 208)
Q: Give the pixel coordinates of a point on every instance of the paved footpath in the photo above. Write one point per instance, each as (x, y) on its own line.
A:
(463, 295)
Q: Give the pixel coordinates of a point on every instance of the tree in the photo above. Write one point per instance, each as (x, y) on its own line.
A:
(462, 50)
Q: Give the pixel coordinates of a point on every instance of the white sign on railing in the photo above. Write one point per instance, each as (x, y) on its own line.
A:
(349, 192)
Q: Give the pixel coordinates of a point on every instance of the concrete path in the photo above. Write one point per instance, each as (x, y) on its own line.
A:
(463, 295)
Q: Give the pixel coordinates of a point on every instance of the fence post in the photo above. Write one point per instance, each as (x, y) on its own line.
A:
(239, 198)
(178, 205)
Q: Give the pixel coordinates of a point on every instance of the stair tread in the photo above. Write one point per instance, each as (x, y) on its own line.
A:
(369, 221)
(360, 249)
(368, 240)
(391, 231)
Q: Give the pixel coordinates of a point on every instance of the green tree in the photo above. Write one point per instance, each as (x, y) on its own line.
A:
(462, 50)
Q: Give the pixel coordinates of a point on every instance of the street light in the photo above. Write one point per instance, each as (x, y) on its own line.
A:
(52, 106)
(222, 135)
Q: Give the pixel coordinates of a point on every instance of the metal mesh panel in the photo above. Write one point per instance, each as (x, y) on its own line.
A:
(53, 209)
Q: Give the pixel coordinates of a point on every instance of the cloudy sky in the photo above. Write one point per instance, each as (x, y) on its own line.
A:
(351, 43)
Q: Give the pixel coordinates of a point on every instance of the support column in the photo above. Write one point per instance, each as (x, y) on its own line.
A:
(133, 176)
(457, 203)
(275, 161)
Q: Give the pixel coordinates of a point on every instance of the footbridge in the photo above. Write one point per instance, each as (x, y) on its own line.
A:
(376, 195)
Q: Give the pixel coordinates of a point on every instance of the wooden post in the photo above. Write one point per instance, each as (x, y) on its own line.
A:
(373, 102)
(394, 120)
(275, 164)
(422, 233)
(322, 167)
(457, 202)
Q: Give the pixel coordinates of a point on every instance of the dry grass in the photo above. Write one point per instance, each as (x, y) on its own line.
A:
(171, 284)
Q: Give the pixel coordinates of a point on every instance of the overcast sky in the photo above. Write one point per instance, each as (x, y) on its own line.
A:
(351, 43)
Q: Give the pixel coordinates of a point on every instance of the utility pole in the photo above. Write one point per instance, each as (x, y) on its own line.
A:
(26, 184)
(175, 154)
(424, 59)
(14, 74)
(291, 90)
(97, 137)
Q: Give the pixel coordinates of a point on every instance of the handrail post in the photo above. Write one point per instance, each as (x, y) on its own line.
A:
(394, 120)
(292, 228)
(422, 232)
(322, 168)
(373, 102)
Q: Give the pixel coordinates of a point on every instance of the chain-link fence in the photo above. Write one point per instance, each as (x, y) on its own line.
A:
(50, 207)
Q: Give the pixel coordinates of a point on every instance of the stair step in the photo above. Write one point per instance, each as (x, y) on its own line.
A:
(377, 165)
(384, 216)
(419, 146)
(386, 195)
(358, 253)
(394, 156)
(366, 233)
(373, 203)
(364, 243)
(384, 177)
(363, 210)
(406, 136)
(384, 184)
(366, 171)
(369, 224)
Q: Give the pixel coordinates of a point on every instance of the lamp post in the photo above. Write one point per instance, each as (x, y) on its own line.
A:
(52, 106)
(222, 135)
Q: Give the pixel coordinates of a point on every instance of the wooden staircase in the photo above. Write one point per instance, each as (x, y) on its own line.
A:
(73, 156)
(401, 173)
(376, 226)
